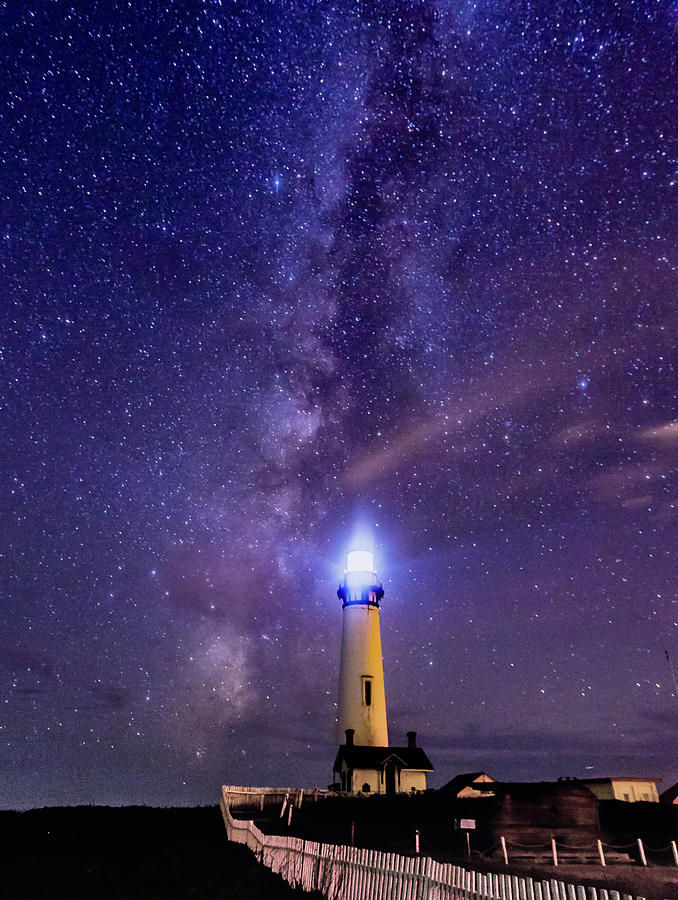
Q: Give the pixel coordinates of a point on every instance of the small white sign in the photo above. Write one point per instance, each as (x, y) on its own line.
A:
(468, 824)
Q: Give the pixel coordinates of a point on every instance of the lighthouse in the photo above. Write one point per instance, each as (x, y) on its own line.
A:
(365, 763)
(362, 696)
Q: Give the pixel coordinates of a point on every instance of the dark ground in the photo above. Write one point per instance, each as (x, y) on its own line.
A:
(129, 852)
(139, 852)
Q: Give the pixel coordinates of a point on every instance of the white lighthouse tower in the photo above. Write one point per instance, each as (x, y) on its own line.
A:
(365, 763)
(362, 697)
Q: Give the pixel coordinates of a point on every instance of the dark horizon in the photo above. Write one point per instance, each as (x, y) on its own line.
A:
(286, 277)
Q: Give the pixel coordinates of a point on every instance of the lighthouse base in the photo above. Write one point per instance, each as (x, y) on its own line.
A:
(381, 770)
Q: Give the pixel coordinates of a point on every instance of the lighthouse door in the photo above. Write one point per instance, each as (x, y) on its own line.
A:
(390, 777)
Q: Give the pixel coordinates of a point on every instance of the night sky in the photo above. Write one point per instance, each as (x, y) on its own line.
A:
(284, 278)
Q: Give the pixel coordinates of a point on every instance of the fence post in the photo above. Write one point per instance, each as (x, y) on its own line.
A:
(416, 841)
(352, 832)
(502, 839)
(391, 879)
(503, 890)
(284, 805)
(289, 814)
(600, 853)
(674, 850)
(554, 851)
(641, 850)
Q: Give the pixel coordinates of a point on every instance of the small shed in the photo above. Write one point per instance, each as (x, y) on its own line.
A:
(470, 784)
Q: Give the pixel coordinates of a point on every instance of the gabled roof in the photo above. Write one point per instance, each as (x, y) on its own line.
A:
(459, 782)
(361, 757)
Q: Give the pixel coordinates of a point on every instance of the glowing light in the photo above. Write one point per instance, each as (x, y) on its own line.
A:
(360, 561)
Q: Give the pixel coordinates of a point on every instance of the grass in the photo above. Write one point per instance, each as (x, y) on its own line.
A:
(130, 852)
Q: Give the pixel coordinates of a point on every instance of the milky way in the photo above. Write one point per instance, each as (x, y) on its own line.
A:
(275, 276)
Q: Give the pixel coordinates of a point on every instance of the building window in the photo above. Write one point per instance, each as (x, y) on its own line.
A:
(367, 691)
(626, 797)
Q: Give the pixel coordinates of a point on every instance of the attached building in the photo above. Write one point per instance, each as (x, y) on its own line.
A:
(630, 789)
(381, 770)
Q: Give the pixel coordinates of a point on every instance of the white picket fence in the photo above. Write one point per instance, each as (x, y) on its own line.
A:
(350, 873)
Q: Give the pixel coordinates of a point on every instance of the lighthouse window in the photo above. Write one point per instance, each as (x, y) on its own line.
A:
(367, 691)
